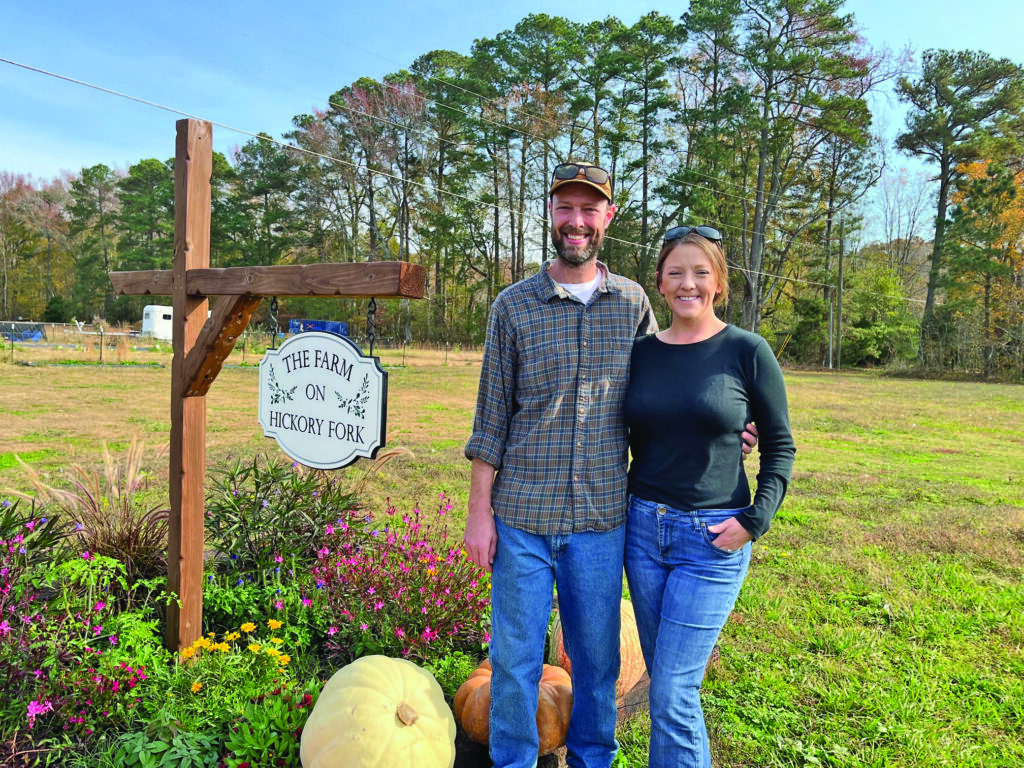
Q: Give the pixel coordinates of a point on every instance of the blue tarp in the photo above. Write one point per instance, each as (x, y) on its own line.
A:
(16, 331)
(332, 326)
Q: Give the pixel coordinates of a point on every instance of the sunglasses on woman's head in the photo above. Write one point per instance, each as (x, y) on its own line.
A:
(708, 233)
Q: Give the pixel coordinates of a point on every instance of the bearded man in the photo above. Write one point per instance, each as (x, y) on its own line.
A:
(549, 452)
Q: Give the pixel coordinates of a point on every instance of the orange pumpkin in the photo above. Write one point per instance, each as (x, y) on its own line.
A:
(473, 704)
(632, 667)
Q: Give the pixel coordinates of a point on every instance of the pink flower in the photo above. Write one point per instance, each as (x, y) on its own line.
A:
(306, 601)
(36, 708)
(279, 605)
(278, 559)
(86, 555)
(333, 631)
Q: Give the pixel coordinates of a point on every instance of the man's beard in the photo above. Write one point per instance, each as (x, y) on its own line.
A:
(575, 255)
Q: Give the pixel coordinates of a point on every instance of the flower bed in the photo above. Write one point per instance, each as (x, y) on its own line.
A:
(301, 579)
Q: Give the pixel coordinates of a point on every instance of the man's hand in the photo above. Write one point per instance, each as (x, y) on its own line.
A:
(481, 539)
(481, 536)
(749, 436)
(731, 535)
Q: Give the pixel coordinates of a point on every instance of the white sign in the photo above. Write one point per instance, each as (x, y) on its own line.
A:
(322, 400)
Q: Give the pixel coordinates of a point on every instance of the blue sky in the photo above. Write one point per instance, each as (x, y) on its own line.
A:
(253, 64)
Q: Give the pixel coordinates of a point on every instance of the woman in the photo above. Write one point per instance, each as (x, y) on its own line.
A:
(693, 387)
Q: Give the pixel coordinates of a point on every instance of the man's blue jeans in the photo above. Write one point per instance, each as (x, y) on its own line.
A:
(587, 568)
(683, 588)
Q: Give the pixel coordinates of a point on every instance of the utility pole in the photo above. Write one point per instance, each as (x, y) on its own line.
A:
(839, 311)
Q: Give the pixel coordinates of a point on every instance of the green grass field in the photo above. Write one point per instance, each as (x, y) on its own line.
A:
(882, 623)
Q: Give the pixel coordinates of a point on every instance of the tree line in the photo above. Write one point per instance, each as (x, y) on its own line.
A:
(751, 115)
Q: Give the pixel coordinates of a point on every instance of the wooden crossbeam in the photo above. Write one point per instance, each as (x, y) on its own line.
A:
(379, 279)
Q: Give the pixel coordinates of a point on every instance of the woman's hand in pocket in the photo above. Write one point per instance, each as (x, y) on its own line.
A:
(729, 535)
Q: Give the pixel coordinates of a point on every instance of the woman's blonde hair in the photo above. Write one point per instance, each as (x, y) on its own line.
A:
(711, 249)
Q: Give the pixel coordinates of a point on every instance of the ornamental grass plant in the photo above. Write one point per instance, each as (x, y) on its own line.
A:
(111, 515)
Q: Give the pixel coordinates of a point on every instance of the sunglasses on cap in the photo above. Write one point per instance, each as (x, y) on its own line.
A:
(708, 233)
(593, 173)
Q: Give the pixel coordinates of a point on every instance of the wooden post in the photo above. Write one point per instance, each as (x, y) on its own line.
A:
(193, 166)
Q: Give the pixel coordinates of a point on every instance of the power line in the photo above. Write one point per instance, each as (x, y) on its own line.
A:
(371, 171)
(505, 124)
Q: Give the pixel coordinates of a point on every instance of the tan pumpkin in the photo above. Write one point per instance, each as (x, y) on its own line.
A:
(632, 667)
(554, 707)
(379, 712)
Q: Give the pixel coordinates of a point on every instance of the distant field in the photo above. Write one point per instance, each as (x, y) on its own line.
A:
(881, 623)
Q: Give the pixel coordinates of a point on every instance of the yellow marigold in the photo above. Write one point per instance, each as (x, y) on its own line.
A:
(232, 636)
(273, 623)
(188, 653)
(248, 626)
(273, 652)
(222, 647)
(276, 640)
(203, 642)
(254, 648)
(196, 687)
(284, 659)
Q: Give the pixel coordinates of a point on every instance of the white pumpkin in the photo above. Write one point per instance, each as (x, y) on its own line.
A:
(380, 712)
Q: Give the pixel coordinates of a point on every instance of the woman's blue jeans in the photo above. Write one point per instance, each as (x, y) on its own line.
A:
(587, 568)
(683, 588)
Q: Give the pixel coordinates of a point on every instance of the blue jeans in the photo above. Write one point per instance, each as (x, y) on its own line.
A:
(683, 588)
(587, 568)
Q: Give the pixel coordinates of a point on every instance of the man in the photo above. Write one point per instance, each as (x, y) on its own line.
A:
(549, 453)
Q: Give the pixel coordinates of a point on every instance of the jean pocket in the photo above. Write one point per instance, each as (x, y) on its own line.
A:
(714, 517)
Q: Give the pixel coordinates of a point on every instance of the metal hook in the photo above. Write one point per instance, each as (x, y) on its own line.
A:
(273, 322)
(371, 322)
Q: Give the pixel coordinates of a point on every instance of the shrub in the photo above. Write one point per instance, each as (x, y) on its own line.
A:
(451, 672)
(263, 511)
(281, 592)
(61, 673)
(270, 729)
(404, 591)
(42, 535)
(214, 679)
(163, 744)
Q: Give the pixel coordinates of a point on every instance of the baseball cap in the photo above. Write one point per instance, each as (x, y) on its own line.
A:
(582, 173)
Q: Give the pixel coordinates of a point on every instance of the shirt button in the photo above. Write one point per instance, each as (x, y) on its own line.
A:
(661, 510)
(575, 478)
(581, 411)
(584, 343)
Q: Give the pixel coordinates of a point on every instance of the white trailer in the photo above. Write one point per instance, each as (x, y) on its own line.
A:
(157, 322)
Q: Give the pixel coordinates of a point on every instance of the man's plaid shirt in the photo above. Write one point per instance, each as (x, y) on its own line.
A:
(549, 413)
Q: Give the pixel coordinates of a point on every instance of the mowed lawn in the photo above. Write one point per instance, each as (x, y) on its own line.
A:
(882, 623)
